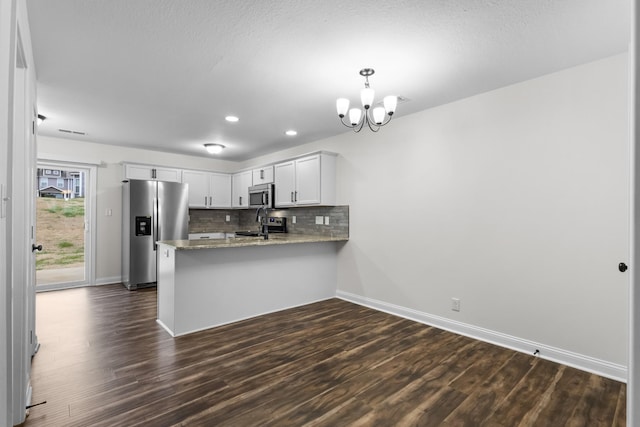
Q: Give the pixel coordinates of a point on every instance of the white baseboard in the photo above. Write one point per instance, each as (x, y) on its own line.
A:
(108, 280)
(159, 322)
(575, 360)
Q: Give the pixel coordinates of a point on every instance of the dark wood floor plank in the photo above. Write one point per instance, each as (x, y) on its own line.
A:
(595, 408)
(104, 361)
(486, 397)
(522, 401)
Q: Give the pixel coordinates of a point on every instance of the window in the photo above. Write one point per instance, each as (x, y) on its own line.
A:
(60, 183)
(44, 182)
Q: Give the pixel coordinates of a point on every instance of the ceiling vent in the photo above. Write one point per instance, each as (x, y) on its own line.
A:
(401, 100)
(75, 132)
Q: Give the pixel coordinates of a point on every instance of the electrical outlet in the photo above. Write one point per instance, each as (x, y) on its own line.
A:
(319, 220)
(293, 219)
(326, 220)
(455, 304)
(227, 218)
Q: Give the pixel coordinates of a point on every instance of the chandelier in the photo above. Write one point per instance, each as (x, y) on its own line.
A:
(374, 118)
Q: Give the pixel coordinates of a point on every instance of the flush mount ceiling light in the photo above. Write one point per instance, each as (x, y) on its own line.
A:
(291, 132)
(374, 120)
(231, 119)
(214, 148)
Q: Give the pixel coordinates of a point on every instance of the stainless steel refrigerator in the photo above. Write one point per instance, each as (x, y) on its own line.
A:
(151, 211)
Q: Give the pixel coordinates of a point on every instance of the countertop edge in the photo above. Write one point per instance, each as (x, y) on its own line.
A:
(240, 242)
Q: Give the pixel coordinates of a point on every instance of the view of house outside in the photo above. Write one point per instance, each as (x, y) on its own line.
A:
(60, 217)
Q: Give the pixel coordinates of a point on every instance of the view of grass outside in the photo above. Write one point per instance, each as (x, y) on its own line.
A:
(60, 230)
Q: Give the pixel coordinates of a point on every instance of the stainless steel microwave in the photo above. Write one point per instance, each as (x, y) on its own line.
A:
(261, 195)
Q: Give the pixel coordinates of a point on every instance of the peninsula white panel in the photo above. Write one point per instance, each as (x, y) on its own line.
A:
(212, 287)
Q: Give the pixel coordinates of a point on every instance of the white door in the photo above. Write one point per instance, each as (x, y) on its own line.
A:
(240, 189)
(633, 369)
(220, 190)
(263, 175)
(285, 183)
(308, 181)
(138, 172)
(198, 188)
(65, 224)
(22, 231)
(168, 174)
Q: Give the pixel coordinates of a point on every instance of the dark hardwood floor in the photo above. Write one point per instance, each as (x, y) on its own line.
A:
(104, 361)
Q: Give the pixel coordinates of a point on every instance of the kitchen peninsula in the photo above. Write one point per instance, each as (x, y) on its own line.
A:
(202, 284)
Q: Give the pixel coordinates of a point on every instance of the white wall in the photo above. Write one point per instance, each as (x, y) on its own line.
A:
(109, 184)
(514, 201)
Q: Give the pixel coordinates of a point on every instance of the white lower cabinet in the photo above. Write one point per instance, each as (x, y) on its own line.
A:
(208, 189)
(309, 180)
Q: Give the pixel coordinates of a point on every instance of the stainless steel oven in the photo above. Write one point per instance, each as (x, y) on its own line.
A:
(261, 195)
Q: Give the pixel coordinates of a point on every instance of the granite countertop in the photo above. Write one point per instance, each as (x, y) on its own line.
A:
(242, 241)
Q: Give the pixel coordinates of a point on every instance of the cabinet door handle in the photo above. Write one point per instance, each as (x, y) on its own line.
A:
(210, 201)
(296, 197)
(205, 201)
(292, 197)
(261, 173)
(240, 200)
(153, 173)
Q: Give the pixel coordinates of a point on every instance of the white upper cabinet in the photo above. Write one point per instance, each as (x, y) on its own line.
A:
(198, 188)
(155, 173)
(240, 189)
(208, 189)
(309, 180)
(285, 184)
(220, 190)
(263, 175)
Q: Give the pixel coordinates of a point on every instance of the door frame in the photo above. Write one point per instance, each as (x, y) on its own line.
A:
(90, 222)
(633, 364)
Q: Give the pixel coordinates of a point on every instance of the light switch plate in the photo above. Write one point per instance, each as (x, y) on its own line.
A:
(319, 220)
(326, 220)
(293, 219)
(227, 218)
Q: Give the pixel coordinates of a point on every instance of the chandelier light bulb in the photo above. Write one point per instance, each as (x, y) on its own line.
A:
(378, 115)
(390, 104)
(373, 118)
(354, 116)
(366, 95)
(342, 105)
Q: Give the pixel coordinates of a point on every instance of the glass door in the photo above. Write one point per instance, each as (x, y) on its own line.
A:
(62, 225)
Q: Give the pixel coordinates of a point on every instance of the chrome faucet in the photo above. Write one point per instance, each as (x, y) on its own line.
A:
(264, 226)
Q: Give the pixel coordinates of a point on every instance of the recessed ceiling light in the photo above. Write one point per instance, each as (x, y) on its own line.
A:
(291, 132)
(232, 119)
(214, 148)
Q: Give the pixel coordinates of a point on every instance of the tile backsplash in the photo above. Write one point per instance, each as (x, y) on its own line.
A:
(215, 220)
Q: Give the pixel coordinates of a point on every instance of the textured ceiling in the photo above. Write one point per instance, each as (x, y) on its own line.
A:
(163, 74)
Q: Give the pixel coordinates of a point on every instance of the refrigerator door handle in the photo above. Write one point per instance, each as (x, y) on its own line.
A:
(156, 231)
